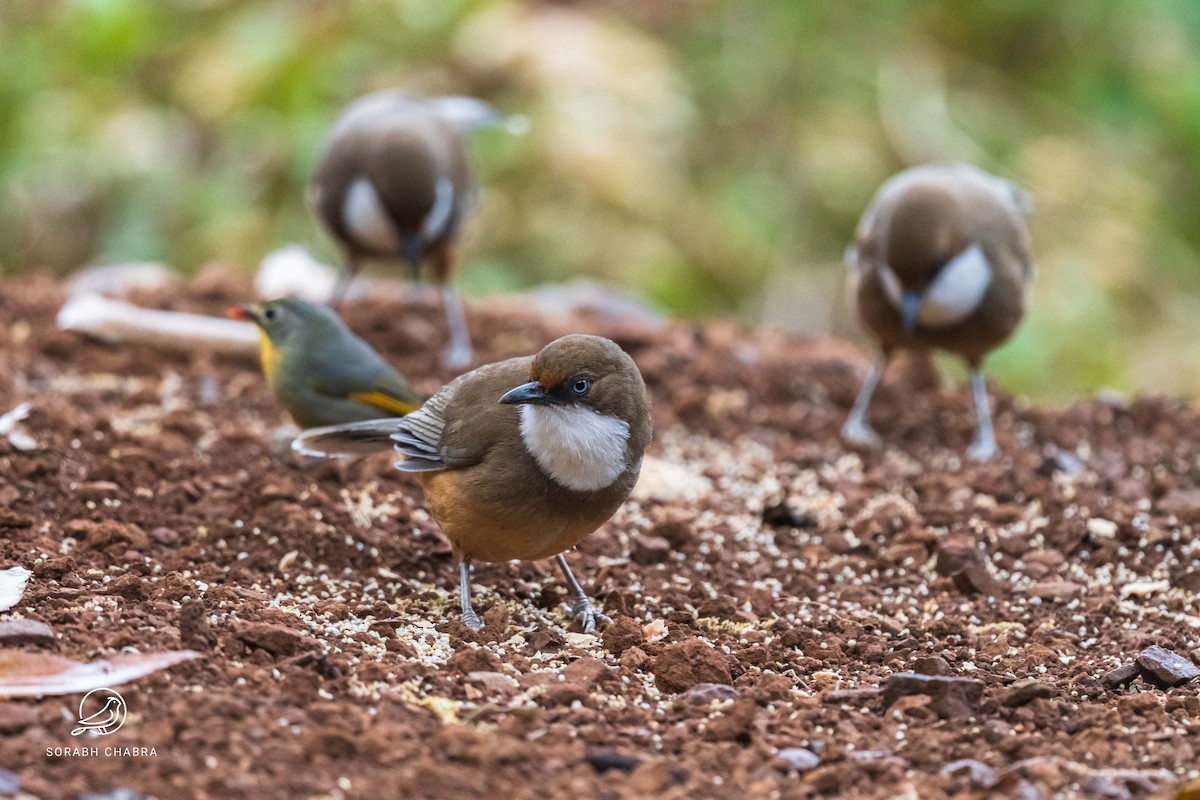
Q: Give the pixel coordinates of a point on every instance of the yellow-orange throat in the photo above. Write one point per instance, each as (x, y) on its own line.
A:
(269, 356)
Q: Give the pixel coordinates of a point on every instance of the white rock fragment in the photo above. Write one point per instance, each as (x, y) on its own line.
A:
(1102, 528)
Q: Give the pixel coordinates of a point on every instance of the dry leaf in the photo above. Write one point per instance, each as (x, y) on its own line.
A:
(36, 674)
(12, 586)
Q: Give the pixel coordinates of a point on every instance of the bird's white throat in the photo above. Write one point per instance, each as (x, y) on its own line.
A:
(577, 447)
(954, 294)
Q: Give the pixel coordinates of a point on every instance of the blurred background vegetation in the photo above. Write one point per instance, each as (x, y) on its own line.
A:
(711, 156)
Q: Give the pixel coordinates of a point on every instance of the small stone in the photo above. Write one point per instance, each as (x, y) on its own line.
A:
(703, 694)
(1055, 590)
(1120, 677)
(493, 682)
(25, 631)
(797, 759)
(1182, 503)
(622, 634)
(955, 554)
(9, 783)
(97, 490)
(979, 774)
(932, 665)
(165, 536)
(961, 559)
(129, 586)
(634, 658)
(15, 718)
(1063, 461)
(474, 659)
(605, 760)
(684, 664)
(1100, 786)
(275, 639)
(651, 778)
(1166, 667)
(949, 697)
(781, 516)
(650, 550)
(1024, 692)
(1188, 581)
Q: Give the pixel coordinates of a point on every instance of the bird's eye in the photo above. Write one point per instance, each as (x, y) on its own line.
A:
(580, 386)
(269, 313)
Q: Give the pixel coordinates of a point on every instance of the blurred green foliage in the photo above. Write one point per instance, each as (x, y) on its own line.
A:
(713, 156)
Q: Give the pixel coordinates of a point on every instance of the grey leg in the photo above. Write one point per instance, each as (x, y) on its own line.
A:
(581, 606)
(458, 353)
(349, 270)
(469, 617)
(984, 446)
(857, 429)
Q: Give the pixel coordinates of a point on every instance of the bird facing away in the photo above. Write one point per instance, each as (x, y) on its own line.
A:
(319, 370)
(941, 261)
(520, 459)
(394, 184)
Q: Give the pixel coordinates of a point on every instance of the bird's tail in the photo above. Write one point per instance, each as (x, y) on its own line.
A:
(353, 439)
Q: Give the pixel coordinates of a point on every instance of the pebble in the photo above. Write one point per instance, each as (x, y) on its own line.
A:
(25, 631)
(1119, 677)
(1055, 590)
(275, 639)
(703, 694)
(650, 550)
(979, 774)
(606, 760)
(1166, 667)
(797, 759)
(1024, 692)
(949, 697)
(961, 559)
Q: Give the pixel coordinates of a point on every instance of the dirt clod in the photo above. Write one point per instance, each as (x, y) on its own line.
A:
(684, 664)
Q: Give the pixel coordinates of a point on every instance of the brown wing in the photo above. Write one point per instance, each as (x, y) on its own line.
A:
(459, 425)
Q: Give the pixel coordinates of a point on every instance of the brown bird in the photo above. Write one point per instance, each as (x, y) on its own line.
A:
(941, 261)
(394, 183)
(520, 459)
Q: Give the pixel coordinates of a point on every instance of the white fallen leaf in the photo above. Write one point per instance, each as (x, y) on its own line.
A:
(8, 428)
(37, 674)
(12, 586)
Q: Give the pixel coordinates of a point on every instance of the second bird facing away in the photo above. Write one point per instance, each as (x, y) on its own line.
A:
(319, 370)
(394, 184)
(521, 459)
(941, 261)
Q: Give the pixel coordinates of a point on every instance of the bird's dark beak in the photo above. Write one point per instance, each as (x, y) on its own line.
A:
(530, 393)
(414, 251)
(909, 307)
(245, 312)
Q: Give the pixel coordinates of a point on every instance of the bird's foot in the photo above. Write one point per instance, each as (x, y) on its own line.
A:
(982, 450)
(587, 614)
(472, 621)
(857, 431)
(457, 357)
